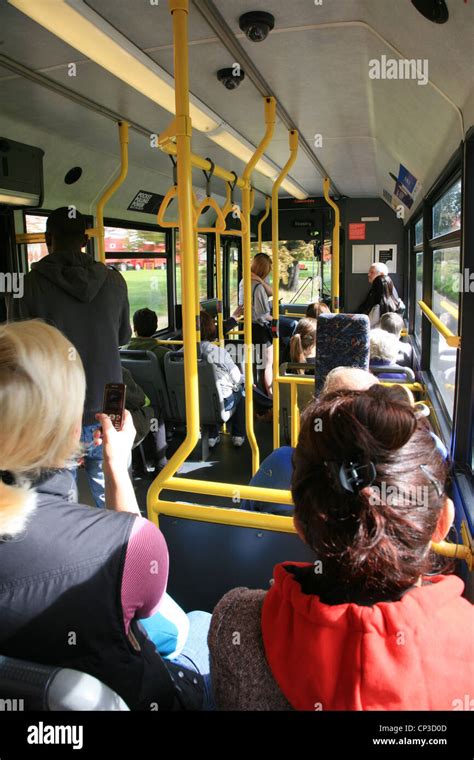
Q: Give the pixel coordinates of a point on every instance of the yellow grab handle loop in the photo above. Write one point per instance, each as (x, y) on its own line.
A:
(220, 219)
(160, 219)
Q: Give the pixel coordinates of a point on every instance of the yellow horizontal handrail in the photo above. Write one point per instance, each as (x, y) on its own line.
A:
(263, 521)
(201, 163)
(236, 517)
(297, 314)
(294, 380)
(228, 490)
(169, 342)
(28, 238)
(451, 339)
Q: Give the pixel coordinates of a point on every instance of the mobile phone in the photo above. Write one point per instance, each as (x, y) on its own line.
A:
(114, 403)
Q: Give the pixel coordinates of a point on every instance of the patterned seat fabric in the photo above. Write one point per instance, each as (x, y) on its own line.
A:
(342, 340)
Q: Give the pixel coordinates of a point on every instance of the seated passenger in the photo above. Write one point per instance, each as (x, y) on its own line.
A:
(384, 353)
(382, 296)
(368, 626)
(393, 323)
(143, 416)
(276, 470)
(303, 343)
(315, 309)
(145, 323)
(75, 581)
(229, 379)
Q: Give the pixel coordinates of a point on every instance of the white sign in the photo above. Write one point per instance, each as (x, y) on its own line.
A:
(362, 258)
(386, 253)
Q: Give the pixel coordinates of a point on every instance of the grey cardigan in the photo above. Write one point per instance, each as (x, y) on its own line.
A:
(241, 677)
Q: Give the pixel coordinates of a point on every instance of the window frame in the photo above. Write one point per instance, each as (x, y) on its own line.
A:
(129, 224)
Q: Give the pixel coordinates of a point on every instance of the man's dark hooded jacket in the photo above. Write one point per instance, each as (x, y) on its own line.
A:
(88, 303)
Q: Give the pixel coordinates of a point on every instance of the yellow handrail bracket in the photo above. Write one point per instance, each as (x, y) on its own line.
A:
(451, 339)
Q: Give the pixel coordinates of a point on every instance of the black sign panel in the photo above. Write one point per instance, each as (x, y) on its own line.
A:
(146, 202)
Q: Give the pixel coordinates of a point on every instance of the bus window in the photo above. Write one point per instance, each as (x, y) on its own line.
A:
(141, 257)
(446, 267)
(233, 277)
(419, 232)
(202, 253)
(300, 271)
(418, 295)
(35, 251)
(447, 211)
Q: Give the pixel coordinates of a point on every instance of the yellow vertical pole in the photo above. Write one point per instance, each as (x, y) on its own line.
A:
(293, 140)
(260, 224)
(220, 316)
(183, 128)
(295, 414)
(335, 258)
(123, 137)
(270, 110)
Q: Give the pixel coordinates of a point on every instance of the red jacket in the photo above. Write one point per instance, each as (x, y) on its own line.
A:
(412, 654)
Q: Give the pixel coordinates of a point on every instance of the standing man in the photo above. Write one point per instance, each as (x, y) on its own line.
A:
(88, 303)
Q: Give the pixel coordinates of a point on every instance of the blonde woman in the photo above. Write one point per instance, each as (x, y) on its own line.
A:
(75, 581)
(261, 312)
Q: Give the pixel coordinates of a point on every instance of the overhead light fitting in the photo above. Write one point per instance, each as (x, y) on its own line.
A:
(433, 10)
(82, 28)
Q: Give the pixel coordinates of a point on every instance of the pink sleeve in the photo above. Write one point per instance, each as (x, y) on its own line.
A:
(145, 572)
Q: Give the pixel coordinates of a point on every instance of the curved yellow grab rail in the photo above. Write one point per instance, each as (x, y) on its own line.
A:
(293, 145)
(160, 217)
(261, 222)
(123, 137)
(451, 339)
(335, 259)
(220, 220)
(270, 117)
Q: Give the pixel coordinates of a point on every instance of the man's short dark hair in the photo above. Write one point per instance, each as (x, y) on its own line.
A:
(145, 323)
(392, 323)
(67, 226)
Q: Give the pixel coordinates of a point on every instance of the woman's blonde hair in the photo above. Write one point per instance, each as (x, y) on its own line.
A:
(42, 391)
(261, 265)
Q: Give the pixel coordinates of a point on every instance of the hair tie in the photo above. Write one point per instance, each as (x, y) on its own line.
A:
(351, 477)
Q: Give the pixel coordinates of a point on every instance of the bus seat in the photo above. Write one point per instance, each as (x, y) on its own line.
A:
(209, 559)
(211, 405)
(28, 686)
(293, 308)
(305, 394)
(147, 372)
(342, 341)
(403, 374)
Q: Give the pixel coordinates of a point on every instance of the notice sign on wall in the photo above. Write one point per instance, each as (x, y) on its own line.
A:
(146, 202)
(357, 231)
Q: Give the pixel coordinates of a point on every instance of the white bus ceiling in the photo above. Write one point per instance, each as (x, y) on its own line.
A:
(316, 62)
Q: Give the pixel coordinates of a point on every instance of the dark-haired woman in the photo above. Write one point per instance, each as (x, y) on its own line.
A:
(368, 626)
(386, 300)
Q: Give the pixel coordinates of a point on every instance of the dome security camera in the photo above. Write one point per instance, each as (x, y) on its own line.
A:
(257, 25)
(231, 78)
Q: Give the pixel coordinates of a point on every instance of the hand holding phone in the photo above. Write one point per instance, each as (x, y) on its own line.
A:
(114, 403)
